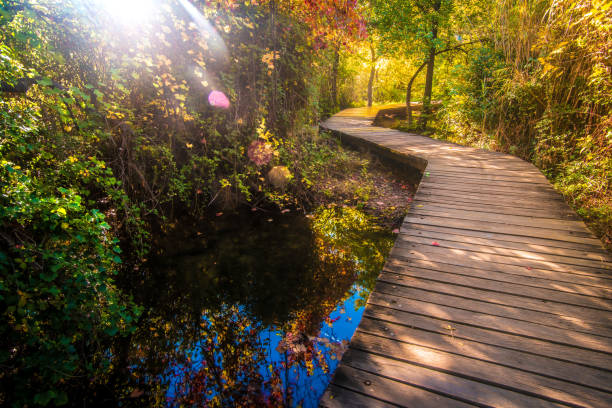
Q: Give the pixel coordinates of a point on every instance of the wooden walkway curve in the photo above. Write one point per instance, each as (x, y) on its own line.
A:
(495, 293)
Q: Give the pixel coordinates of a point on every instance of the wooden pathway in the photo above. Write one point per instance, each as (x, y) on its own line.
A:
(495, 293)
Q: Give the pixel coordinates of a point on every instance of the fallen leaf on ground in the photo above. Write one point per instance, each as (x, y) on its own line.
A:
(219, 214)
(435, 243)
(396, 231)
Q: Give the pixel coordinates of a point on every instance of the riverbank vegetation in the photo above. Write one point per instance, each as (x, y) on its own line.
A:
(118, 118)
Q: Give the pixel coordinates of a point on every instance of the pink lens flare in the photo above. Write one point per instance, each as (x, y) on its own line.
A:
(218, 99)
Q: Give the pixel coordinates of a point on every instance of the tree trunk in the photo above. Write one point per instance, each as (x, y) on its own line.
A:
(426, 109)
(371, 85)
(372, 74)
(334, 85)
(409, 94)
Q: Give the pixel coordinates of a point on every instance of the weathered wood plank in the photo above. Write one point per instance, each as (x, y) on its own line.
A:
(503, 377)
(502, 228)
(584, 376)
(489, 247)
(497, 208)
(491, 261)
(592, 251)
(465, 330)
(390, 391)
(478, 393)
(336, 397)
(516, 220)
(407, 275)
(500, 304)
(509, 320)
(577, 284)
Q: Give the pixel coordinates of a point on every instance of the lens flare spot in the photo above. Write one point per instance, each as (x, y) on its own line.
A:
(218, 99)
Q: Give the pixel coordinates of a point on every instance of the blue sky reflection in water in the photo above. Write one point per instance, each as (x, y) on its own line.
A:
(252, 309)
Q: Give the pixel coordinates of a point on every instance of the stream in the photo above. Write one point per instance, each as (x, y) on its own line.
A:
(250, 308)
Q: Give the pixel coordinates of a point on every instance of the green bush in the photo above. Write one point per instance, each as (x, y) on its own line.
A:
(59, 304)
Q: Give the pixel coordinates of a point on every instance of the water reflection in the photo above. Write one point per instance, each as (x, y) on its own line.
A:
(250, 310)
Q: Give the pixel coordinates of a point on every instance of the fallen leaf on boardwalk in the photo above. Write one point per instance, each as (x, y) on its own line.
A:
(219, 214)
(419, 205)
(528, 268)
(409, 199)
(435, 243)
(396, 231)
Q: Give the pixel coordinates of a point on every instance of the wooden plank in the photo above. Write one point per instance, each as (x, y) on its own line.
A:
(488, 199)
(337, 397)
(436, 175)
(497, 187)
(524, 303)
(500, 228)
(408, 274)
(485, 267)
(541, 244)
(444, 204)
(477, 259)
(408, 240)
(464, 330)
(503, 377)
(486, 192)
(550, 327)
(501, 255)
(584, 376)
(516, 180)
(390, 391)
(520, 220)
(438, 166)
(478, 393)
(576, 284)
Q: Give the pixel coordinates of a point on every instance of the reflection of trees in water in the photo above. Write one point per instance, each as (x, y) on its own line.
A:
(201, 334)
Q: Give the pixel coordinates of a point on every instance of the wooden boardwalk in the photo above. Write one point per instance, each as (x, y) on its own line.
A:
(495, 293)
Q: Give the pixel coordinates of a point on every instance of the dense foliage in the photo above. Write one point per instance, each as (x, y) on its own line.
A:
(115, 118)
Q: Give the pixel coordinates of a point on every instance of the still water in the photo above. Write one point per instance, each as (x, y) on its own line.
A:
(251, 309)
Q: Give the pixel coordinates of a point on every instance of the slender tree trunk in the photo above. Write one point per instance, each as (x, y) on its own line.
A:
(334, 85)
(409, 93)
(431, 58)
(426, 110)
(371, 85)
(372, 74)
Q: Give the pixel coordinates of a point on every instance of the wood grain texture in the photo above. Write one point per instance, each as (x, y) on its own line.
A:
(495, 294)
